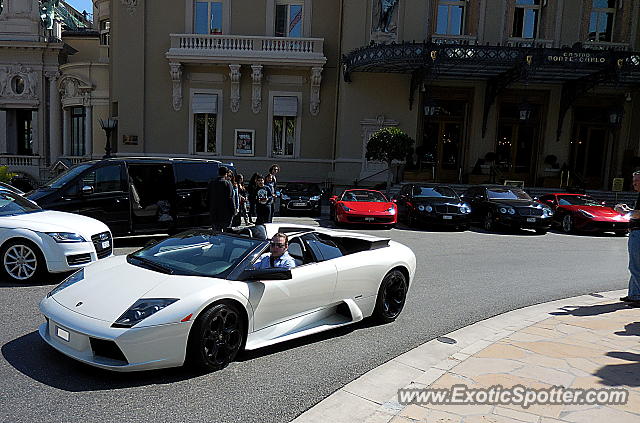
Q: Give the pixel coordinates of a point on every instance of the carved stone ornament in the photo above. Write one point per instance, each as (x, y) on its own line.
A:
(131, 5)
(234, 75)
(256, 88)
(74, 90)
(19, 82)
(176, 78)
(314, 100)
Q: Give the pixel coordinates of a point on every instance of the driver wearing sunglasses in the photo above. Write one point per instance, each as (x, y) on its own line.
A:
(278, 257)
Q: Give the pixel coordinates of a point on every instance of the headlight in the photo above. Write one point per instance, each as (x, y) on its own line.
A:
(391, 210)
(75, 277)
(421, 207)
(345, 208)
(586, 214)
(465, 209)
(66, 237)
(315, 198)
(511, 210)
(547, 212)
(429, 209)
(503, 210)
(285, 197)
(142, 309)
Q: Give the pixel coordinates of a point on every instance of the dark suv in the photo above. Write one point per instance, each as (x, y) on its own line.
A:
(134, 195)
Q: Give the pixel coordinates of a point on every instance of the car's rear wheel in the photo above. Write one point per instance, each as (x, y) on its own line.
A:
(216, 337)
(489, 225)
(22, 261)
(391, 297)
(567, 224)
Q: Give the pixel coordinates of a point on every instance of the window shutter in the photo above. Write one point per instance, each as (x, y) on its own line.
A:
(205, 103)
(285, 106)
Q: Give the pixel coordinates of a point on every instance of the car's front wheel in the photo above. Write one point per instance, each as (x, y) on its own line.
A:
(22, 261)
(567, 224)
(216, 337)
(391, 297)
(488, 222)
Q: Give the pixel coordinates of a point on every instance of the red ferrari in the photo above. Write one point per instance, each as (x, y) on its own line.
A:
(363, 206)
(580, 212)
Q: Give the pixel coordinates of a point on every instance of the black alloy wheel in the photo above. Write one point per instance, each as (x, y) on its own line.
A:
(216, 338)
(391, 297)
(567, 224)
(489, 225)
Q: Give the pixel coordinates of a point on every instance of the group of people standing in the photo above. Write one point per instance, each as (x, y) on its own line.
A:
(230, 201)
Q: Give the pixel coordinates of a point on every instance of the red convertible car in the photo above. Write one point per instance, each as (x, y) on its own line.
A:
(580, 212)
(363, 206)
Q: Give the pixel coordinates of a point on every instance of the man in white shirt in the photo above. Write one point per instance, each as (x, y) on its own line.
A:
(279, 257)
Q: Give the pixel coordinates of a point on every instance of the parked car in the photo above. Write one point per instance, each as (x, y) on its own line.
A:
(8, 187)
(134, 195)
(581, 212)
(194, 298)
(300, 197)
(363, 206)
(432, 204)
(497, 206)
(35, 241)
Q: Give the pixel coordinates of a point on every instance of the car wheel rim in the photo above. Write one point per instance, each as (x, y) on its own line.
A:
(20, 262)
(222, 337)
(566, 224)
(488, 222)
(394, 295)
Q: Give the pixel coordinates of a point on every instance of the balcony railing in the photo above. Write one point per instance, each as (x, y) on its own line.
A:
(18, 160)
(602, 45)
(468, 40)
(249, 48)
(74, 160)
(529, 42)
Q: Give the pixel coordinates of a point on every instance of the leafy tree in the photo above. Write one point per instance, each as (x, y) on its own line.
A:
(387, 145)
(5, 175)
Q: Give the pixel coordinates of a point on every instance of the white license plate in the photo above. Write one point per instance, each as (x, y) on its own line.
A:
(105, 244)
(299, 204)
(445, 217)
(531, 219)
(369, 219)
(63, 334)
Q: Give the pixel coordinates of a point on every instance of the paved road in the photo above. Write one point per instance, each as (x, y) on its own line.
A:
(461, 278)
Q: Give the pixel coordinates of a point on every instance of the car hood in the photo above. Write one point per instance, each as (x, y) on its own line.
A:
(54, 221)
(436, 201)
(598, 211)
(362, 207)
(109, 288)
(514, 203)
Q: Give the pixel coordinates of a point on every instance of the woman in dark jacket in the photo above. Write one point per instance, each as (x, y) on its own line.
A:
(251, 195)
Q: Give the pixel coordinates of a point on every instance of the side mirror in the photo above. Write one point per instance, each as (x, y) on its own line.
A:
(87, 190)
(271, 274)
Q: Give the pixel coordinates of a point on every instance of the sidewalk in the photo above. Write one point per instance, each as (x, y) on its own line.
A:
(591, 341)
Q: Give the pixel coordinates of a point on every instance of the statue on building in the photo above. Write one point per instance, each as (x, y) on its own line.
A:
(47, 12)
(386, 12)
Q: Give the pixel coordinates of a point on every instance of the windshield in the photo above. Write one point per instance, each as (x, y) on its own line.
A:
(299, 187)
(507, 194)
(364, 196)
(577, 200)
(62, 179)
(438, 192)
(195, 254)
(12, 204)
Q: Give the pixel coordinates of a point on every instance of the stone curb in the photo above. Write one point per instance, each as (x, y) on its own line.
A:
(372, 398)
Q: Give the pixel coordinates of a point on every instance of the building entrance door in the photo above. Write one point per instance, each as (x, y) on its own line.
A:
(516, 151)
(588, 153)
(439, 153)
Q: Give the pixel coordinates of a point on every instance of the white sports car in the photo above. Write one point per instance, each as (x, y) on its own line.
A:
(33, 240)
(195, 297)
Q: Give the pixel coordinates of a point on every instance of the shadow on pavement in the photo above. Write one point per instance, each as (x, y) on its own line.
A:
(592, 310)
(627, 374)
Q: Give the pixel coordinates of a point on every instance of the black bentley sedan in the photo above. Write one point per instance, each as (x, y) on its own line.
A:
(432, 205)
(300, 197)
(497, 206)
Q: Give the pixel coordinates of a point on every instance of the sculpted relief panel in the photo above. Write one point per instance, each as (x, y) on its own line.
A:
(18, 82)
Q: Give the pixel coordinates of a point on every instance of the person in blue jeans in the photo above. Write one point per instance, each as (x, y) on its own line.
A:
(633, 296)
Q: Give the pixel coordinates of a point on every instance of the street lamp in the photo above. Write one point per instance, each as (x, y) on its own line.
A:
(108, 125)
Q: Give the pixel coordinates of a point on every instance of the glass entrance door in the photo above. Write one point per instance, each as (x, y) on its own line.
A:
(588, 152)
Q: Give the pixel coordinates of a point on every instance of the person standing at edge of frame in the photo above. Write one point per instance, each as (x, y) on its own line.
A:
(221, 204)
(633, 295)
(273, 171)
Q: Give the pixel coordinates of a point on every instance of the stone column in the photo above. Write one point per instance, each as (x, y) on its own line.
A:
(3, 132)
(55, 144)
(88, 131)
(35, 129)
(66, 132)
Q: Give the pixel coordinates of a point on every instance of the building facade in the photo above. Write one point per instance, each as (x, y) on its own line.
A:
(538, 91)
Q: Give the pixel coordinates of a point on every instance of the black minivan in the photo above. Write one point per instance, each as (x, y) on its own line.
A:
(134, 195)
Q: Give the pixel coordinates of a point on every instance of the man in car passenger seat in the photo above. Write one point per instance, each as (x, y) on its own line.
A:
(279, 257)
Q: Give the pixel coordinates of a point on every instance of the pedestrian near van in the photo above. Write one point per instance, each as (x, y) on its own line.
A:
(268, 182)
(221, 203)
(633, 295)
(251, 192)
(243, 202)
(264, 198)
(272, 182)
